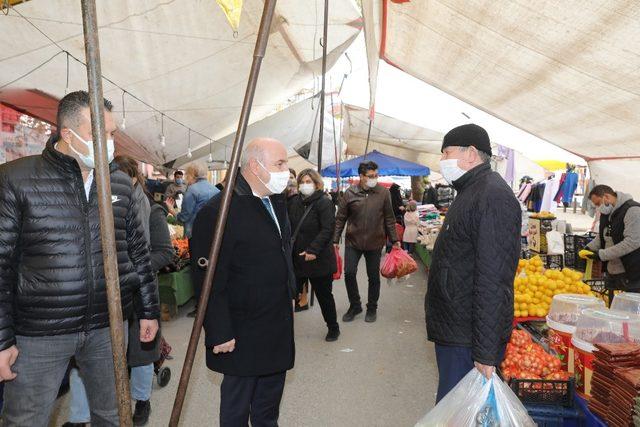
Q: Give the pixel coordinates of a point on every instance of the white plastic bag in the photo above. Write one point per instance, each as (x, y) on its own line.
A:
(555, 243)
(476, 401)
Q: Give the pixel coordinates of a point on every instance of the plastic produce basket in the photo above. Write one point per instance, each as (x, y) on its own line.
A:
(555, 262)
(573, 244)
(555, 416)
(544, 392)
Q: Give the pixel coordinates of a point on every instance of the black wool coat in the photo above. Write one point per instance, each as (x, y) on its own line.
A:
(253, 285)
(315, 234)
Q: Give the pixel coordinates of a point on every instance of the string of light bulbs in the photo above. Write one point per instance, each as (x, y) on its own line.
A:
(124, 91)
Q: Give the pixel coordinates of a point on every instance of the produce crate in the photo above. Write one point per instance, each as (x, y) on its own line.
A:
(554, 262)
(544, 392)
(175, 288)
(573, 244)
(555, 416)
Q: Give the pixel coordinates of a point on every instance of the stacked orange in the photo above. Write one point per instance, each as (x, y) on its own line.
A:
(534, 287)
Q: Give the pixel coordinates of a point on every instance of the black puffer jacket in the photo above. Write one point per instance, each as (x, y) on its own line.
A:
(315, 235)
(51, 269)
(469, 299)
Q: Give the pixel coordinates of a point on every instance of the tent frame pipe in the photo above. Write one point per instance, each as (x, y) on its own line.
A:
(366, 148)
(103, 184)
(324, 79)
(268, 13)
(335, 143)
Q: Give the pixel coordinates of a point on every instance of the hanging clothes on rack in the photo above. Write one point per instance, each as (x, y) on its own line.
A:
(558, 197)
(550, 190)
(569, 187)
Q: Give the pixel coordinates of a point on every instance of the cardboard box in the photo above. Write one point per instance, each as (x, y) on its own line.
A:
(538, 229)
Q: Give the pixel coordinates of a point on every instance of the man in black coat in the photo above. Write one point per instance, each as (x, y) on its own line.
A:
(469, 302)
(53, 302)
(249, 319)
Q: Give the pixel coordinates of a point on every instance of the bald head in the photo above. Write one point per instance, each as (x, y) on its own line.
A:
(261, 157)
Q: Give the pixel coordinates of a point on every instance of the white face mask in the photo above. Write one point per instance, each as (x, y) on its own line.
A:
(450, 170)
(606, 209)
(88, 159)
(372, 182)
(307, 189)
(278, 181)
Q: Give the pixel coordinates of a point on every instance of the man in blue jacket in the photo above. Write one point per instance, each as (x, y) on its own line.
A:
(198, 193)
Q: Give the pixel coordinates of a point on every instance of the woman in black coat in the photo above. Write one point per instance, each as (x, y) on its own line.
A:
(313, 254)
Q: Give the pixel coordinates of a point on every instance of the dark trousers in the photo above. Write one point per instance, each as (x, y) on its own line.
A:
(351, 259)
(257, 398)
(322, 287)
(409, 247)
(453, 364)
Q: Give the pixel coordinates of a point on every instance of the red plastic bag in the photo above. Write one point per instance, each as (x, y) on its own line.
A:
(397, 264)
(400, 231)
(338, 274)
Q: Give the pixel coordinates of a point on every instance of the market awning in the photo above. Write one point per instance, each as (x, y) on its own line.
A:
(566, 72)
(388, 166)
(180, 58)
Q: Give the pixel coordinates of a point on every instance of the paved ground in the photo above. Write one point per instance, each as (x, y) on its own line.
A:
(380, 374)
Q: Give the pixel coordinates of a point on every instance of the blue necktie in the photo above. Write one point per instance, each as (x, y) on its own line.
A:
(267, 204)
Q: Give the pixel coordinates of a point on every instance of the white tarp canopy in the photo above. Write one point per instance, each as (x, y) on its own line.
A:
(391, 136)
(295, 126)
(567, 72)
(179, 57)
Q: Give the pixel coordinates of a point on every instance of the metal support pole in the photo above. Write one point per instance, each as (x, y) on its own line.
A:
(366, 148)
(324, 78)
(103, 184)
(260, 48)
(335, 144)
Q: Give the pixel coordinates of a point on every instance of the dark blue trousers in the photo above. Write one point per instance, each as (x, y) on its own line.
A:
(453, 364)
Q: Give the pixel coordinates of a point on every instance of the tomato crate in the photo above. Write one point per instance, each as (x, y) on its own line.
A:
(544, 392)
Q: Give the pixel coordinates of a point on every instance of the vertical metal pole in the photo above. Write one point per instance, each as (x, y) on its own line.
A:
(324, 78)
(366, 149)
(335, 144)
(103, 183)
(261, 47)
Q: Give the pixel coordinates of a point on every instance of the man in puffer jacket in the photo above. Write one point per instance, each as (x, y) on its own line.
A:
(469, 303)
(53, 301)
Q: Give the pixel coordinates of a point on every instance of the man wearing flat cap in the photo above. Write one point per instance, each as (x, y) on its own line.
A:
(469, 302)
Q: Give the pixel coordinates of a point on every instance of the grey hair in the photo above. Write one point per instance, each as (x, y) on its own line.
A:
(252, 152)
(484, 157)
(198, 170)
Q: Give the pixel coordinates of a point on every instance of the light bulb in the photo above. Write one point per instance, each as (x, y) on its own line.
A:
(189, 153)
(163, 140)
(123, 125)
(210, 158)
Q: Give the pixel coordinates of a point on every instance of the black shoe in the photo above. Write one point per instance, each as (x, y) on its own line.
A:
(68, 424)
(351, 313)
(298, 308)
(333, 334)
(143, 410)
(371, 316)
(193, 313)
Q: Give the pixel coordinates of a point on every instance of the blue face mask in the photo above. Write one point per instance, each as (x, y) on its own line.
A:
(179, 181)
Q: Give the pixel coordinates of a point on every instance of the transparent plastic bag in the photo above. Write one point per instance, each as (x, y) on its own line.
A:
(476, 401)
